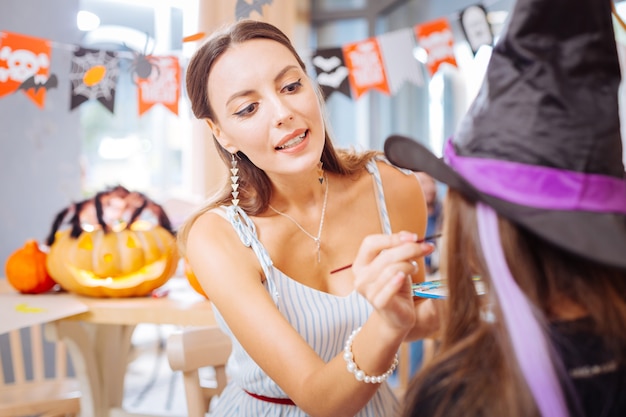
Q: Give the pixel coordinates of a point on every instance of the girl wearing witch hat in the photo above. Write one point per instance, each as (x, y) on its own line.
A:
(537, 208)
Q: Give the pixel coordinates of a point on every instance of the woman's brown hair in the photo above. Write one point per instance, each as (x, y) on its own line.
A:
(475, 372)
(254, 185)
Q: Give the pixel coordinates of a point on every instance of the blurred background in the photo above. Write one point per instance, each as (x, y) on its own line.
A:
(52, 156)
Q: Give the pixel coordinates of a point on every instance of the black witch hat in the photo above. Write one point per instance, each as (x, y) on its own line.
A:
(541, 142)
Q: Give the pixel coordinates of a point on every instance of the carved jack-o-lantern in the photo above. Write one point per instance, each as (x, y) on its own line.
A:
(110, 251)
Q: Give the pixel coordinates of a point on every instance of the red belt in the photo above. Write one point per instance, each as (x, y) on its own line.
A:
(283, 401)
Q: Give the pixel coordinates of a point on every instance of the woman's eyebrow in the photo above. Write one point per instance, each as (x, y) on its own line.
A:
(238, 94)
(280, 75)
(285, 70)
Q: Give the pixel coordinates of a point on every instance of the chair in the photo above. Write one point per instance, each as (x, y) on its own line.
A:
(194, 348)
(32, 390)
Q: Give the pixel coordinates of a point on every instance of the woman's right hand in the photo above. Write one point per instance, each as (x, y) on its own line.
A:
(382, 270)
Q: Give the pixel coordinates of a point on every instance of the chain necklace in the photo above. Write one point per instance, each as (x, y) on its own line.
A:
(316, 239)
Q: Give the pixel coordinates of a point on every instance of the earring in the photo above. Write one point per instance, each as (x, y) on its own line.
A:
(487, 314)
(234, 179)
(320, 172)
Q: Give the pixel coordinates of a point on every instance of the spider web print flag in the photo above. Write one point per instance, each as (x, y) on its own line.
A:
(93, 75)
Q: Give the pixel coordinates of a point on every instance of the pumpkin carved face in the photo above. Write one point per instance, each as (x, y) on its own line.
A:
(112, 255)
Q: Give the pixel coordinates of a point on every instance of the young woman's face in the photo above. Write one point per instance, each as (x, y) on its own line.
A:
(266, 107)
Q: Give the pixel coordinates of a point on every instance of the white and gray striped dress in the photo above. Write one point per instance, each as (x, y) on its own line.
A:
(324, 320)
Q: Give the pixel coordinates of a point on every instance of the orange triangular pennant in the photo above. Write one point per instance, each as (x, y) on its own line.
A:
(25, 65)
(365, 63)
(436, 38)
(161, 86)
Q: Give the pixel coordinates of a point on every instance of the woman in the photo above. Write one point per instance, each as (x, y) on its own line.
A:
(537, 208)
(311, 335)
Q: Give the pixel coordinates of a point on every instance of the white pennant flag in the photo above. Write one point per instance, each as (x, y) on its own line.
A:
(397, 51)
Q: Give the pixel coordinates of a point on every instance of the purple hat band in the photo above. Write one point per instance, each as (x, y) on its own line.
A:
(540, 187)
(534, 359)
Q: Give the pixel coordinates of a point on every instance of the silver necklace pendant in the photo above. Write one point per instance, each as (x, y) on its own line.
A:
(317, 239)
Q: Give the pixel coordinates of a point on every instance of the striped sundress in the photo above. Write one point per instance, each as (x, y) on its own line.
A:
(324, 320)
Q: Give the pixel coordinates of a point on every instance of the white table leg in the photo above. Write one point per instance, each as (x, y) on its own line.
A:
(99, 353)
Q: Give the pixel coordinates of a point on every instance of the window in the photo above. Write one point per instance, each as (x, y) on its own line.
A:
(427, 113)
(342, 110)
(145, 153)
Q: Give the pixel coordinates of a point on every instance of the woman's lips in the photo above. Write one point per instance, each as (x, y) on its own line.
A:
(295, 141)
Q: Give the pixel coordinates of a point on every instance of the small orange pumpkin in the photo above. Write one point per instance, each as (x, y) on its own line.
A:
(193, 280)
(26, 270)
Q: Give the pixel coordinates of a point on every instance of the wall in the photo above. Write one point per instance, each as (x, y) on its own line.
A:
(39, 148)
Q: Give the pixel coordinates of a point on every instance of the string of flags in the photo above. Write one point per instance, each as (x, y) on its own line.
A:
(93, 74)
(383, 63)
(243, 8)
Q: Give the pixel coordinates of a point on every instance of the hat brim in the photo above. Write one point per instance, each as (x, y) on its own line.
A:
(596, 236)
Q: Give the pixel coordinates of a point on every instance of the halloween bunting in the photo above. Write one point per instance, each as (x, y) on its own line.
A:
(384, 62)
(476, 27)
(331, 70)
(244, 8)
(436, 38)
(366, 67)
(161, 86)
(25, 65)
(94, 76)
(400, 64)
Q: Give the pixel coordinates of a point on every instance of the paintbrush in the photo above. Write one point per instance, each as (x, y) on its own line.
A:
(425, 239)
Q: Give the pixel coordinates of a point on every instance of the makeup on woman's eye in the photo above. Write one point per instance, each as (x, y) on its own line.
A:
(246, 110)
(293, 87)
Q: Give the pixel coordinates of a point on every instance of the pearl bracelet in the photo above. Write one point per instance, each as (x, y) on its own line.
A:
(360, 375)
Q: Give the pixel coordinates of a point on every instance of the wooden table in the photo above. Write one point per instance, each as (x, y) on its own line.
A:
(99, 340)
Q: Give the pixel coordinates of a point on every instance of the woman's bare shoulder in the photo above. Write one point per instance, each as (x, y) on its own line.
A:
(404, 197)
(213, 221)
(215, 250)
(396, 178)
(212, 233)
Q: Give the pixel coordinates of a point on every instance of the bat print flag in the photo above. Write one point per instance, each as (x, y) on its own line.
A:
(331, 70)
(244, 8)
